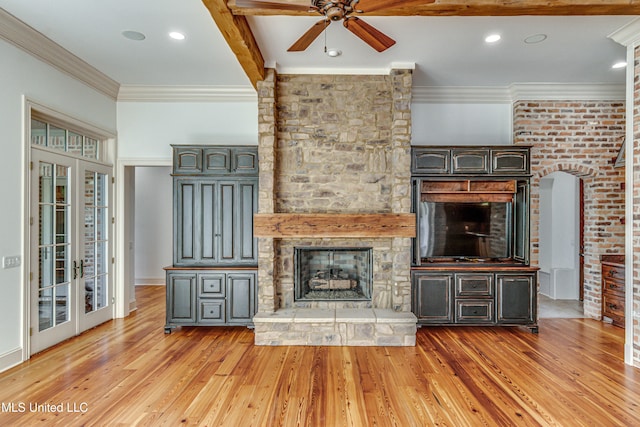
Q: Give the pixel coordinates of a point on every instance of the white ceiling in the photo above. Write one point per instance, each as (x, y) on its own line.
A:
(446, 51)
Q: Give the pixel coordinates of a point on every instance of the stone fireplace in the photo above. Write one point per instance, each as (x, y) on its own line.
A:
(335, 175)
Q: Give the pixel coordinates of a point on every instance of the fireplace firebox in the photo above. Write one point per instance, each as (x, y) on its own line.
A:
(330, 274)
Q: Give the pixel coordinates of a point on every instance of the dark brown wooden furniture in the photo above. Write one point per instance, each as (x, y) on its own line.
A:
(613, 285)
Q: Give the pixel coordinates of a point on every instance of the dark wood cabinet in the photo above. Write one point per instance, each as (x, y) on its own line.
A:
(471, 251)
(433, 297)
(495, 160)
(463, 296)
(215, 195)
(613, 289)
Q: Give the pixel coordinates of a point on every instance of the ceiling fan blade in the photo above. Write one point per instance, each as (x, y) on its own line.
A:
(307, 38)
(301, 5)
(377, 5)
(374, 38)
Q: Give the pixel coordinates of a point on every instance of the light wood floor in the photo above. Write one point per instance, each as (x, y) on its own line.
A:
(128, 372)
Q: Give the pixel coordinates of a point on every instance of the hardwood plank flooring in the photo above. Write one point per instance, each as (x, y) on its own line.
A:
(128, 372)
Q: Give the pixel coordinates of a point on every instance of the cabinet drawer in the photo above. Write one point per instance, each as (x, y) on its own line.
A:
(611, 273)
(612, 305)
(212, 285)
(211, 311)
(474, 285)
(613, 286)
(474, 311)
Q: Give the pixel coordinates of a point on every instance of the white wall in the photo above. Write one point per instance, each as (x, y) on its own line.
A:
(153, 223)
(22, 75)
(461, 124)
(146, 129)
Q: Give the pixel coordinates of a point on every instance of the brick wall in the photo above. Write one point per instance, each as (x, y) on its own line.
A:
(580, 138)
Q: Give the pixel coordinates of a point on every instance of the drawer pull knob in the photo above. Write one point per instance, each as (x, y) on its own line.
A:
(613, 306)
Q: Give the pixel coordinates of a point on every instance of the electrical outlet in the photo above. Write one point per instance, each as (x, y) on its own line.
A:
(11, 261)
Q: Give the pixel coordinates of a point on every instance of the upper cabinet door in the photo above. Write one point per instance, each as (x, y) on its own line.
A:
(474, 161)
(217, 161)
(187, 160)
(510, 162)
(244, 160)
(431, 161)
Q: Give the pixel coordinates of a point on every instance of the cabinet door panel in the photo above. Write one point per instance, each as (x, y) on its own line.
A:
(217, 160)
(240, 291)
(515, 298)
(248, 206)
(431, 161)
(181, 298)
(510, 162)
(227, 221)
(470, 161)
(245, 161)
(187, 160)
(185, 225)
(207, 209)
(433, 300)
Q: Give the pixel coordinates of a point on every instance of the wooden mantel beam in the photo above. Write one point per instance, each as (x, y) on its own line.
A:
(479, 8)
(237, 33)
(290, 225)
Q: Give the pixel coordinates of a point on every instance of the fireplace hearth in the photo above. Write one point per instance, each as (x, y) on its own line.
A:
(333, 274)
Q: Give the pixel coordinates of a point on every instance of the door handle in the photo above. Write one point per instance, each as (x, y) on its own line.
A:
(81, 268)
(75, 270)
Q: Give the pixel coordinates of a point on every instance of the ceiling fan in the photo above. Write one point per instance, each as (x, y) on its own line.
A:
(334, 10)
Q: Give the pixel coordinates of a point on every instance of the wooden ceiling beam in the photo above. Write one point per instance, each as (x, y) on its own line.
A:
(236, 31)
(483, 8)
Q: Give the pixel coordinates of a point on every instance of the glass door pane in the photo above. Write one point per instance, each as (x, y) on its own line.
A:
(95, 241)
(54, 245)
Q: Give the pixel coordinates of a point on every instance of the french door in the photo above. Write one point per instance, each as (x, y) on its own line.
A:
(71, 282)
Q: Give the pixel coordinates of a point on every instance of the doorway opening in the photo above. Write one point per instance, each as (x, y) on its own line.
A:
(561, 246)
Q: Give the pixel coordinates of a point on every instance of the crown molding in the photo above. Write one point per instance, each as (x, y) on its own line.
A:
(460, 95)
(627, 35)
(187, 94)
(24, 37)
(516, 92)
(571, 91)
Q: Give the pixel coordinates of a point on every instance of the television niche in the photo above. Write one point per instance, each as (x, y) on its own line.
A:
(471, 221)
(477, 231)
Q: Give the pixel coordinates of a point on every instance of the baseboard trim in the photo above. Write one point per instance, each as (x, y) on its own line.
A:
(152, 281)
(10, 359)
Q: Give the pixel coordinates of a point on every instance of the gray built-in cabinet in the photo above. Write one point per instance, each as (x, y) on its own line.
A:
(214, 273)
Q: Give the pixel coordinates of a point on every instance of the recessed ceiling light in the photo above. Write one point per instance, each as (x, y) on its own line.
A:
(176, 35)
(492, 38)
(134, 35)
(620, 64)
(536, 38)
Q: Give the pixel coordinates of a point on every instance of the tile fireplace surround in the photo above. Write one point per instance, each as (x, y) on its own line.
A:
(335, 172)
